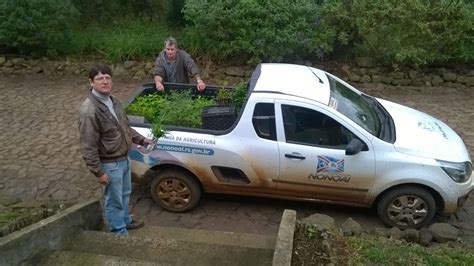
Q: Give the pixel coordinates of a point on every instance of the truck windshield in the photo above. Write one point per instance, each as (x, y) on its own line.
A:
(354, 106)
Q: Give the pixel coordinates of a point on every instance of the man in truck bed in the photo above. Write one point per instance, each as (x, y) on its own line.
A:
(175, 65)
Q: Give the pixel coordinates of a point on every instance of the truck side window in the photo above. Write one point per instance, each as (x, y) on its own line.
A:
(263, 120)
(309, 127)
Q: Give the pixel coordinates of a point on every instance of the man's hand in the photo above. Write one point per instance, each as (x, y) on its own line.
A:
(147, 142)
(149, 145)
(201, 86)
(159, 86)
(158, 83)
(104, 179)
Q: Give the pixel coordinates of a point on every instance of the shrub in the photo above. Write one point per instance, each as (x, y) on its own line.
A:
(405, 32)
(123, 40)
(255, 30)
(175, 15)
(106, 11)
(338, 23)
(36, 26)
(414, 31)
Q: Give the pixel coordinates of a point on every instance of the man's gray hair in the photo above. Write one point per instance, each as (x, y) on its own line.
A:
(171, 41)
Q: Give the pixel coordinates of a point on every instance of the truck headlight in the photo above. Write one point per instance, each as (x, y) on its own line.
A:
(459, 172)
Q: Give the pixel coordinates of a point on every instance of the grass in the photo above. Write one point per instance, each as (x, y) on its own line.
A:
(6, 217)
(375, 250)
(121, 40)
(372, 250)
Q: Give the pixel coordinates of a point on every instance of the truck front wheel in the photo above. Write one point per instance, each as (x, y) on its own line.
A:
(175, 191)
(407, 207)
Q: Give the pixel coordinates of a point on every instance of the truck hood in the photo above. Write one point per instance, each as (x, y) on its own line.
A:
(420, 134)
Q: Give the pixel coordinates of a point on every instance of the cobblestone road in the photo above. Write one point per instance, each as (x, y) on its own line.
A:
(40, 159)
(39, 152)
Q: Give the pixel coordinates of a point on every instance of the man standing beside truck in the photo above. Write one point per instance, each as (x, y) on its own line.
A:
(175, 65)
(105, 138)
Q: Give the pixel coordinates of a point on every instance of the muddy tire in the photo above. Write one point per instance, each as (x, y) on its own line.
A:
(407, 207)
(175, 191)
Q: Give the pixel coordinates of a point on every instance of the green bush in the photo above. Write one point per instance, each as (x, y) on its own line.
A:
(339, 24)
(175, 15)
(36, 26)
(415, 32)
(106, 11)
(256, 30)
(118, 41)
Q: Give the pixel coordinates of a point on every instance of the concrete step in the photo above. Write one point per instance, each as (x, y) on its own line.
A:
(174, 251)
(258, 241)
(75, 258)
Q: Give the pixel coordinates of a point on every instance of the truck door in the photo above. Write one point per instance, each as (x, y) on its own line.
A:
(313, 163)
(247, 160)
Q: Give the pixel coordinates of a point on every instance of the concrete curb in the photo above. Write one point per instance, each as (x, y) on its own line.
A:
(284, 242)
(50, 233)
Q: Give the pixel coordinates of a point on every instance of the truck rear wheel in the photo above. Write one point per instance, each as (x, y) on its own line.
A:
(175, 191)
(407, 207)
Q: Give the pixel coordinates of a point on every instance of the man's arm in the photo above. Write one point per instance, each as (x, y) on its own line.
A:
(192, 69)
(159, 73)
(137, 138)
(89, 139)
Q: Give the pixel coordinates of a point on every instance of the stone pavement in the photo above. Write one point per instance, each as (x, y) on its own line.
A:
(39, 151)
(40, 158)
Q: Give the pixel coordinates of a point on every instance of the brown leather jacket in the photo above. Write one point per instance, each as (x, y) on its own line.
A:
(102, 137)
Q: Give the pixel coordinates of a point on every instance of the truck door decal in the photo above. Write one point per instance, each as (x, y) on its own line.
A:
(185, 149)
(140, 156)
(329, 164)
(330, 169)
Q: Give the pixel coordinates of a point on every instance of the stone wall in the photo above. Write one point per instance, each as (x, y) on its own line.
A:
(362, 71)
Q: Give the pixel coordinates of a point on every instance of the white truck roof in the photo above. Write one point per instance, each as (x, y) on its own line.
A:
(297, 80)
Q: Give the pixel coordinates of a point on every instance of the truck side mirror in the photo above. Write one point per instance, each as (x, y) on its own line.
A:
(354, 147)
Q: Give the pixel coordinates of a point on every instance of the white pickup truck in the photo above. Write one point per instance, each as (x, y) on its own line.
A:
(304, 134)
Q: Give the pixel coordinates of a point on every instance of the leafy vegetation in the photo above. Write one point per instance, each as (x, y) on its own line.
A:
(123, 40)
(103, 12)
(418, 32)
(147, 106)
(175, 16)
(174, 109)
(414, 31)
(253, 30)
(27, 26)
(239, 94)
(181, 108)
(224, 97)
